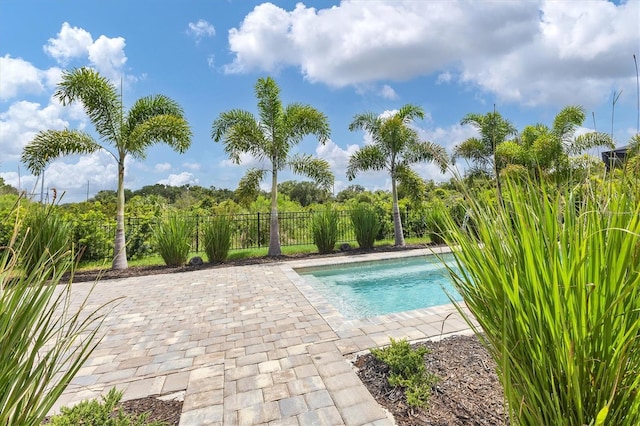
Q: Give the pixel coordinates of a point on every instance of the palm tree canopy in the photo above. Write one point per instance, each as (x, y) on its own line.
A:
(273, 134)
(395, 144)
(493, 129)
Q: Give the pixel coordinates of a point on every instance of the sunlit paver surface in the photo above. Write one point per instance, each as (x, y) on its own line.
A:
(246, 345)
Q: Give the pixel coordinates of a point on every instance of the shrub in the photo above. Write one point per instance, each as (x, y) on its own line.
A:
(45, 236)
(435, 220)
(172, 238)
(95, 413)
(554, 285)
(43, 341)
(217, 239)
(324, 228)
(407, 370)
(365, 225)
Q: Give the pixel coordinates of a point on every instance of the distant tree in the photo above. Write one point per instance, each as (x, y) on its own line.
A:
(349, 193)
(150, 120)
(270, 137)
(395, 148)
(494, 130)
(304, 192)
(548, 150)
(5, 188)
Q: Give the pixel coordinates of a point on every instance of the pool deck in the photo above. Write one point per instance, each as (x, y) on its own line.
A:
(244, 345)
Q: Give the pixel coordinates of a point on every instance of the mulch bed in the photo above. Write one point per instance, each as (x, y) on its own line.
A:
(159, 410)
(468, 392)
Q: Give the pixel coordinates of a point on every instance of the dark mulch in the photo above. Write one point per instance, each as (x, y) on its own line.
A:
(159, 410)
(468, 392)
(136, 271)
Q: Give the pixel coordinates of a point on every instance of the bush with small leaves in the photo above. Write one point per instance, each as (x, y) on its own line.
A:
(408, 370)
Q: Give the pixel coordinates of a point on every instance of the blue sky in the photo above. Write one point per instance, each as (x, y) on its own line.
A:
(529, 58)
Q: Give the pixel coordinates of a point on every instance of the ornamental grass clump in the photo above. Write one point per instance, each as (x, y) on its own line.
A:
(365, 225)
(45, 236)
(45, 336)
(555, 287)
(217, 239)
(324, 228)
(172, 238)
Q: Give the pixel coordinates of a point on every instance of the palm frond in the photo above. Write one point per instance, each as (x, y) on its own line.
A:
(240, 132)
(170, 129)
(249, 185)
(368, 122)
(409, 112)
(589, 140)
(369, 157)
(269, 104)
(567, 121)
(422, 151)
(151, 106)
(316, 168)
(98, 96)
(48, 145)
(302, 120)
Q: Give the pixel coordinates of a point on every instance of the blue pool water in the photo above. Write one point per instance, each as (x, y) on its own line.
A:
(376, 288)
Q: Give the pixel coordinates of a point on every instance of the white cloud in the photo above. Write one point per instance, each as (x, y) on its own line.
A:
(180, 179)
(387, 92)
(192, 166)
(21, 77)
(105, 54)
(71, 43)
(337, 157)
(246, 160)
(544, 52)
(200, 29)
(161, 167)
(20, 123)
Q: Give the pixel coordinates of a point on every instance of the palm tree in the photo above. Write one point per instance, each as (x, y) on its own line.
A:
(395, 147)
(494, 130)
(549, 149)
(270, 137)
(150, 120)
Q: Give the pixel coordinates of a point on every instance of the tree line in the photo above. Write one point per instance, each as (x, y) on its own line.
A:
(538, 152)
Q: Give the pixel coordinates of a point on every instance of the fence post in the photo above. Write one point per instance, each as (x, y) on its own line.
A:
(259, 230)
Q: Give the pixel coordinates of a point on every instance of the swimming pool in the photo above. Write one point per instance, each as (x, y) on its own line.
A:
(375, 288)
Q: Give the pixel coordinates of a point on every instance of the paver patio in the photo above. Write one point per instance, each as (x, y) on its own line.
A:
(246, 345)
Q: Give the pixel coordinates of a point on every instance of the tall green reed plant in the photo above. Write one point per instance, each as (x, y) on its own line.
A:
(365, 225)
(172, 238)
(217, 239)
(555, 287)
(324, 229)
(44, 338)
(45, 235)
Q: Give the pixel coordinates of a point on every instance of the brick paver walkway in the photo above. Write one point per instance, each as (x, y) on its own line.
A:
(246, 345)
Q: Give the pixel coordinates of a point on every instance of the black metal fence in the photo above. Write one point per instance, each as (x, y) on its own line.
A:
(248, 231)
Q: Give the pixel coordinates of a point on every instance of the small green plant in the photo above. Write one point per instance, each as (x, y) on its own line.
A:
(217, 239)
(365, 225)
(324, 228)
(172, 238)
(45, 235)
(407, 369)
(96, 413)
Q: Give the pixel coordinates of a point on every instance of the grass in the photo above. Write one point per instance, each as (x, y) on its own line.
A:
(238, 254)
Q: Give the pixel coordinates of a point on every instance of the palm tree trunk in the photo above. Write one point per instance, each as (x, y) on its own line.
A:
(274, 227)
(397, 220)
(119, 247)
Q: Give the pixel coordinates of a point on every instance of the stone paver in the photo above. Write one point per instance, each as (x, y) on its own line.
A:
(245, 345)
